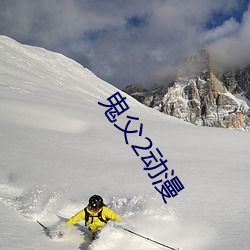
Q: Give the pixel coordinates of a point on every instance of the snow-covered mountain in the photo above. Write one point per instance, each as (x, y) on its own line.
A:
(237, 81)
(58, 147)
(201, 95)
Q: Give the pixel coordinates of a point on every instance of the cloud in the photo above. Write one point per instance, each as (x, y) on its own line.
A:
(126, 42)
(233, 49)
(228, 28)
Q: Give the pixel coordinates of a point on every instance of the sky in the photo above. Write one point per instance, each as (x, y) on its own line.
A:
(132, 41)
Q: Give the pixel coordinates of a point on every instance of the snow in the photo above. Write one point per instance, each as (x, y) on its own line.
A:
(242, 99)
(58, 148)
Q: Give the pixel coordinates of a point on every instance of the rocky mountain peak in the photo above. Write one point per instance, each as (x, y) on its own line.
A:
(196, 64)
(200, 96)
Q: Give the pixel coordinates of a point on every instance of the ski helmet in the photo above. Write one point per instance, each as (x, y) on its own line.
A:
(96, 202)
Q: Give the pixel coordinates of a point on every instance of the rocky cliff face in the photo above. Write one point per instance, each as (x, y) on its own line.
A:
(237, 81)
(200, 96)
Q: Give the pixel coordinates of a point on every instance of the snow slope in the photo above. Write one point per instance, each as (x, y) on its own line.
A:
(57, 148)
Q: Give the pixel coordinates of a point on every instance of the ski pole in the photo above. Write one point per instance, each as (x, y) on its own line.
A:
(45, 228)
(149, 239)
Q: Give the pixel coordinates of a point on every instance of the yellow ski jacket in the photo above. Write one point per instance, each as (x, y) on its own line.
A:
(94, 223)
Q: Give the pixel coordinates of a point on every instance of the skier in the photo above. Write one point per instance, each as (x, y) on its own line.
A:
(95, 214)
